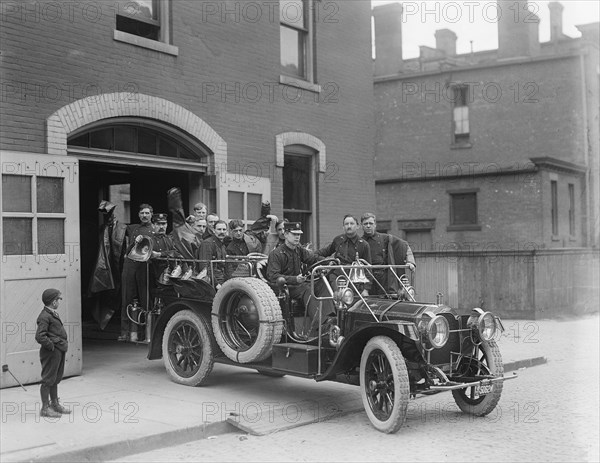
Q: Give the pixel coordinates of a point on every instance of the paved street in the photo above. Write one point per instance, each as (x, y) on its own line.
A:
(550, 413)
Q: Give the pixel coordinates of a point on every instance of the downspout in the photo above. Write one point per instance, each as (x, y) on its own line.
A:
(589, 194)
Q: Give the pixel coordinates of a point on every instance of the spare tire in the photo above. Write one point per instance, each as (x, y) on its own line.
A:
(246, 319)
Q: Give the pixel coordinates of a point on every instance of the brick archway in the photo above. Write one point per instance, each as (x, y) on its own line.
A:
(91, 109)
(300, 138)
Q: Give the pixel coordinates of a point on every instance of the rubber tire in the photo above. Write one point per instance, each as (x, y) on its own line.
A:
(401, 385)
(270, 319)
(486, 404)
(204, 333)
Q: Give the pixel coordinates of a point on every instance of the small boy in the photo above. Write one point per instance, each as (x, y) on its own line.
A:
(52, 336)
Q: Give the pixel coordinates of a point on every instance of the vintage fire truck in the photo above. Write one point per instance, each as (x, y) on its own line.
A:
(392, 346)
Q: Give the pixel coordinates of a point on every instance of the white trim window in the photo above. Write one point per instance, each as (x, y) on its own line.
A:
(145, 23)
(297, 39)
(460, 115)
(241, 195)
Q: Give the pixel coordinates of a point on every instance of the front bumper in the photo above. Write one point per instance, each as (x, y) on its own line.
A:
(452, 385)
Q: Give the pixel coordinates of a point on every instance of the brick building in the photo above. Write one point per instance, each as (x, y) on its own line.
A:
(494, 150)
(234, 102)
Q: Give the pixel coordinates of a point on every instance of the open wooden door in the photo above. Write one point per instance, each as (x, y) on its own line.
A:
(39, 242)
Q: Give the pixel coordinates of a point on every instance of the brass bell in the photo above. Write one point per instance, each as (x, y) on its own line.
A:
(357, 274)
(142, 250)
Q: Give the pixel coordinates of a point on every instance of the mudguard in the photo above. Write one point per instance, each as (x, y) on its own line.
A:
(402, 332)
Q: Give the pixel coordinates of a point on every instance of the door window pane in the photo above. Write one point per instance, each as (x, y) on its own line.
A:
(236, 205)
(16, 234)
(16, 193)
(254, 205)
(50, 194)
(51, 236)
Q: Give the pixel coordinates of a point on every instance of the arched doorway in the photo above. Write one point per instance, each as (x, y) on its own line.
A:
(128, 161)
(132, 147)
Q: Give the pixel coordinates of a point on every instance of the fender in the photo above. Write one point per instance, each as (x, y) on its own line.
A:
(404, 333)
(155, 347)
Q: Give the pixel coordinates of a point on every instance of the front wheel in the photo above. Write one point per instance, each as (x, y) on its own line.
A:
(384, 384)
(484, 359)
(187, 348)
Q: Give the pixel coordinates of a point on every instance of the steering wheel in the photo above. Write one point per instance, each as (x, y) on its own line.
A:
(257, 255)
(327, 261)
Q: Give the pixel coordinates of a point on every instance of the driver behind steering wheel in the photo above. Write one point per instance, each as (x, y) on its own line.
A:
(286, 261)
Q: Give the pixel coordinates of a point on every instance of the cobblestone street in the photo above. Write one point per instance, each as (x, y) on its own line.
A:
(550, 413)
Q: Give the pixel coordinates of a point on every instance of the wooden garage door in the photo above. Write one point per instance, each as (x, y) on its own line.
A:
(40, 249)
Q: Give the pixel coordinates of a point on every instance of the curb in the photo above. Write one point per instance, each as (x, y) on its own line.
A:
(120, 449)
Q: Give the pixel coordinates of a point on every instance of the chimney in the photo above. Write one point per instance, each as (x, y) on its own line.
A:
(388, 39)
(518, 31)
(445, 40)
(556, 26)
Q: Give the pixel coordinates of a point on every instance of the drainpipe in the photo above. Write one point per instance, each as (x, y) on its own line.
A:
(589, 195)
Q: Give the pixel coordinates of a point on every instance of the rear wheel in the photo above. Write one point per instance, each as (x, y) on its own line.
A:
(187, 348)
(484, 359)
(384, 384)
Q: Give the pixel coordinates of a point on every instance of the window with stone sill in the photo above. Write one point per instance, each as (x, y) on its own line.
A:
(463, 210)
(145, 23)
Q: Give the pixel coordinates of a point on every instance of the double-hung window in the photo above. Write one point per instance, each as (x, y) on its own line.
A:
(460, 115)
(145, 23)
(297, 39)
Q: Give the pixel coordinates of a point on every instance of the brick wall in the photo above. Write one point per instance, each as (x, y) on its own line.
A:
(510, 211)
(517, 112)
(222, 63)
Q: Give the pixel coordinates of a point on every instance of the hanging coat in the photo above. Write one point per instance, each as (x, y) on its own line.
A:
(184, 236)
(105, 282)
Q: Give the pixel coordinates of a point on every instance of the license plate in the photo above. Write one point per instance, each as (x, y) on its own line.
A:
(484, 389)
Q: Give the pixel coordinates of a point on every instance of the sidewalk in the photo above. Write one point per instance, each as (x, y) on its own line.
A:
(124, 403)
